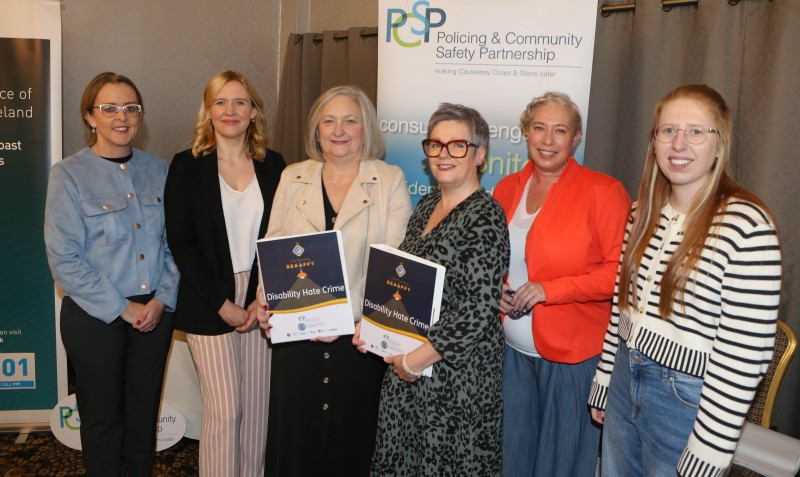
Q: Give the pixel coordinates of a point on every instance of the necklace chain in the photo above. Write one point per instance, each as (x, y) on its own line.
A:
(332, 183)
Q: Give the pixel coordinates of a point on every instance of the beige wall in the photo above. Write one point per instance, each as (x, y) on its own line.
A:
(342, 14)
(169, 49)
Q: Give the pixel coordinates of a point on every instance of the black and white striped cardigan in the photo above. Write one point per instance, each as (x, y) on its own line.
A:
(725, 333)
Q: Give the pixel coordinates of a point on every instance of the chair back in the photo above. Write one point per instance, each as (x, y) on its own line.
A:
(785, 344)
(761, 410)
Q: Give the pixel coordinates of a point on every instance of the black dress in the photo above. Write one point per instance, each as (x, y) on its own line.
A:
(323, 406)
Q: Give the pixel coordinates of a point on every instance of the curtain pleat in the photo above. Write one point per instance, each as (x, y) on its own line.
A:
(362, 62)
(335, 68)
(312, 67)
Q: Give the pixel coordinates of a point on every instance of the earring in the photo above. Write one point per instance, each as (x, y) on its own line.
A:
(93, 131)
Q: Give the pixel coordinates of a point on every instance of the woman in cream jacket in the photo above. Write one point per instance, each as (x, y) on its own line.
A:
(325, 394)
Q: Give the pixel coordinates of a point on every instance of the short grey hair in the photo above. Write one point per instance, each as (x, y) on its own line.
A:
(557, 99)
(478, 128)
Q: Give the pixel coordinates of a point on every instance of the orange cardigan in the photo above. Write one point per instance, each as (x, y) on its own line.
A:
(573, 249)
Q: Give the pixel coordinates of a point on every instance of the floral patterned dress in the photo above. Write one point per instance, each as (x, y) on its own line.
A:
(451, 423)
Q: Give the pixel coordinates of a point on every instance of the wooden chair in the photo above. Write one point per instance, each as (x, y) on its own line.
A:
(761, 410)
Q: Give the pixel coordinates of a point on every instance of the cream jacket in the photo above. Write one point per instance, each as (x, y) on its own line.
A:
(375, 210)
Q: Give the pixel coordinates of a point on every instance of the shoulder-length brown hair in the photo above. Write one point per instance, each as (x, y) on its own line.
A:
(256, 137)
(654, 192)
(90, 95)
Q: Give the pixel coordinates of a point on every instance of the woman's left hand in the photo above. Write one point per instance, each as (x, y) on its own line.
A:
(528, 295)
(252, 319)
(150, 316)
(396, 362)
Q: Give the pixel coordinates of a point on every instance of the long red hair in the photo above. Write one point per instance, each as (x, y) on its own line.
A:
(654, 192)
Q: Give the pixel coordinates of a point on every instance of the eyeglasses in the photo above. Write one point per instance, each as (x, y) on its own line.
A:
(111, 110)
(457, 148)
(694, 134)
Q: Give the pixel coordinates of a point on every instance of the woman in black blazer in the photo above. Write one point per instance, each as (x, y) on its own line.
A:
(217, 202)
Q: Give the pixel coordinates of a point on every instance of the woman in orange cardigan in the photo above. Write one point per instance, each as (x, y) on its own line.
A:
(566, 224)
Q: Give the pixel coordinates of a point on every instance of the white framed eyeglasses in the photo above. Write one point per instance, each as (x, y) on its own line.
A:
(111, 110)
(693, 134)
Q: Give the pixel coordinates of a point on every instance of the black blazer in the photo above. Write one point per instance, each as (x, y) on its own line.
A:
(198, 238)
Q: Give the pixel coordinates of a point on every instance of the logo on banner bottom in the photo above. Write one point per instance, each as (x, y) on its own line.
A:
(65, 422)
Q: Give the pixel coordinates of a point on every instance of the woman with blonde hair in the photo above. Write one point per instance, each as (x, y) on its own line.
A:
(218, 200)
(693, 323)
(324, 402)
(566, 223)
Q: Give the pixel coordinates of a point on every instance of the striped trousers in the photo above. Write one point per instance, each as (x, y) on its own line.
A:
(233, 370)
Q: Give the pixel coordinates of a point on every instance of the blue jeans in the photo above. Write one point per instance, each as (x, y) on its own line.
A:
(650, 414)
(547, 428)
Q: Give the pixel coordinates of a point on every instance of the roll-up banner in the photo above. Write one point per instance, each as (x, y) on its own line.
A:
(492, 56)
(32, 367)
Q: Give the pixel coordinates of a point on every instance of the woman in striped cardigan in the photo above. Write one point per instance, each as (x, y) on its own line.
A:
(696, 302)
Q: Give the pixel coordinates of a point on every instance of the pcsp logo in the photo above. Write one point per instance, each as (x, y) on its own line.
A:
(69, 417)
(421, 16)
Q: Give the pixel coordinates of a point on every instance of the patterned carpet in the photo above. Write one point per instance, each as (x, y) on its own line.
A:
(43, 455)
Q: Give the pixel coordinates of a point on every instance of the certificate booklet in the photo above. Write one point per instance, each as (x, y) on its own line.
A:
(402, 300)
(305, 284)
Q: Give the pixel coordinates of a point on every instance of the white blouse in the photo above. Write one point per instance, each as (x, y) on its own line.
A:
(519, 332)
(243, 211)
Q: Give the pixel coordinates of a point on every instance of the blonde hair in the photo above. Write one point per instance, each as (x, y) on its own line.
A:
(374, 146)
(556, 99)
(654, 192)
(205, 140)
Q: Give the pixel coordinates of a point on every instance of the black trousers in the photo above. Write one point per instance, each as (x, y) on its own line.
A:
(118, 378)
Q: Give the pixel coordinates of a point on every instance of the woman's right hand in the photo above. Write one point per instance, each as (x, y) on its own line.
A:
(263, 321)
(262, 300)
(599, 415)
(505, 300)
(357, 341)
(133, 314)
(233, 314)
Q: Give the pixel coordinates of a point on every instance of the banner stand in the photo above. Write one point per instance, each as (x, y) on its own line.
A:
(491, 56)
(32, 362)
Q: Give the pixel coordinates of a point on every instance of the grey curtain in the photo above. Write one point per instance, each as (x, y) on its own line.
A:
(314, 63)
(750, 53)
